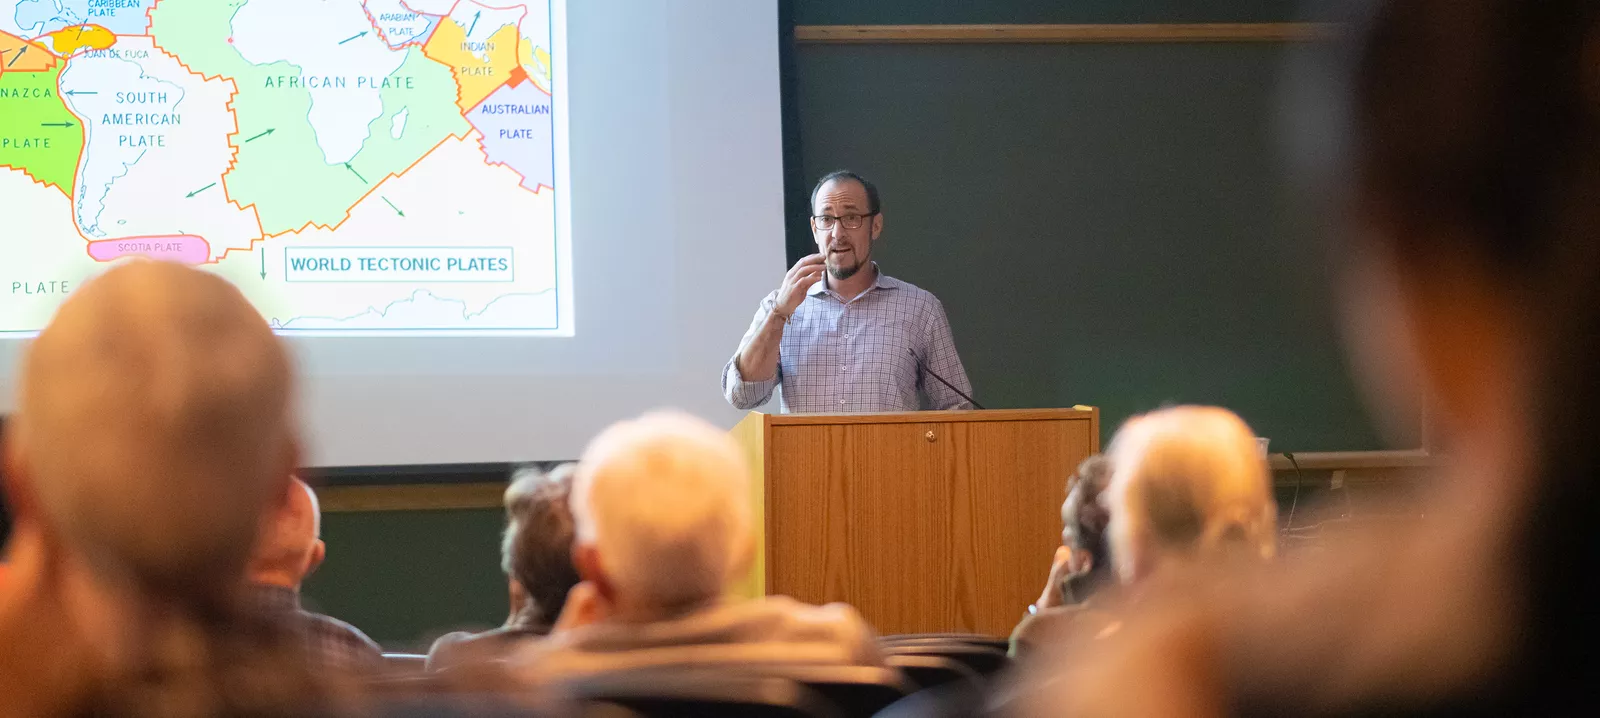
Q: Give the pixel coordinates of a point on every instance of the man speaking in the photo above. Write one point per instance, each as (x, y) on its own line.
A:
(840, 335)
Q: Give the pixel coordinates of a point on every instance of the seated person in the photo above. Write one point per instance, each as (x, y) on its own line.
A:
(287, 551)
(153, 432)
(536, 555)
(1082, 563)
(1188, 489)
(1188, 486)
(662, 510)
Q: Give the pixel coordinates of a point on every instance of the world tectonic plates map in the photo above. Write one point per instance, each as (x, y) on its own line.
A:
(354, 166)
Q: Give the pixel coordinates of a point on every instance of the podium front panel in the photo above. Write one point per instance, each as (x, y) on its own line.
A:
(923, 525)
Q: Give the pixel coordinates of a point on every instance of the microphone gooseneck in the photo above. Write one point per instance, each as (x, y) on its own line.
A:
(930, 372)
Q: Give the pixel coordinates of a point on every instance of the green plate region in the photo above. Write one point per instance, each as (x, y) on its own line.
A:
(284, 173)
(37, 133)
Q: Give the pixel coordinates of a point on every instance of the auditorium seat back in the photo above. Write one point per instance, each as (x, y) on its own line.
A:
(933, 671)
(981, 659)
(700, 691)
(853, 690)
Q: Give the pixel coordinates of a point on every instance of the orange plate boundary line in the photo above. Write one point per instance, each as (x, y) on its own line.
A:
(335, 226)
(482, 138)
(233, 161)
(67, 191)
(54, 58)
(233, 149)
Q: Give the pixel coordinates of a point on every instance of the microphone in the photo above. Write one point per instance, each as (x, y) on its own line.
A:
(960, 393)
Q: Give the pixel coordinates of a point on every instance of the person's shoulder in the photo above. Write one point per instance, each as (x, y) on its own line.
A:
(461, 646)
(330, 626)
(446, 645)
(800, 610)
(907, 291)
(838, 624)
(835, 621)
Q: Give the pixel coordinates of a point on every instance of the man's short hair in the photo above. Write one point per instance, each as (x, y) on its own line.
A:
(665, 501)
(154, 426)
(873, 205)
(1190, 480)
(536, 550)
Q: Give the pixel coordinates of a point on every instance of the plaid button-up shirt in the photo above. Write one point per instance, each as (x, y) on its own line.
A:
(329, 642)
(860, 355)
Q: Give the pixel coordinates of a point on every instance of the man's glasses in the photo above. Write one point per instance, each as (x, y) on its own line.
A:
(825, 222)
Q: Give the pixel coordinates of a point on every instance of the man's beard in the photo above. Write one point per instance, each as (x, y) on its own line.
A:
(841, 273)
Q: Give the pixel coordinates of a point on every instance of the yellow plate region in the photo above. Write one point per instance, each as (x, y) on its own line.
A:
(69, 40)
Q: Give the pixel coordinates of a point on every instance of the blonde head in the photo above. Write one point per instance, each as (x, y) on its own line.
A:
(664, 501)
(1188, 483)
(153, 425)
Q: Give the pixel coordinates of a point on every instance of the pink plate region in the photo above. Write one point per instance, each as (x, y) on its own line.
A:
(185, 248)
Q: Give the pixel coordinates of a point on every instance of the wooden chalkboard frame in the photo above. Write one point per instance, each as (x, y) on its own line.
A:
(1100, 32)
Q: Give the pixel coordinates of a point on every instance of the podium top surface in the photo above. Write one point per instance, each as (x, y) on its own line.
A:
(925, 417)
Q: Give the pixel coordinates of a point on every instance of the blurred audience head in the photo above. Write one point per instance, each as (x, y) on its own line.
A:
(1475, 129)
(662, 509)
(536, 551)
(5, 513)
(290, 546)
(1468, 157)
(154, 428)
(1188, 483)
(1084, 518)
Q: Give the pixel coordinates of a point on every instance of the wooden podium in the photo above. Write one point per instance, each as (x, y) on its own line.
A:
(925, 521)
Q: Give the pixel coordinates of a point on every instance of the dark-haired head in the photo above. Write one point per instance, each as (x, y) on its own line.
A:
(1083, 524)
(537, 547)
(874, 204)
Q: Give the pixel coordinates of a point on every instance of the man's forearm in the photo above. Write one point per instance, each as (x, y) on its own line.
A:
(758, 360)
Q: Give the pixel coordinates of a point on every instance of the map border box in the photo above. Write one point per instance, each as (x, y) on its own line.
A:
(512, 280)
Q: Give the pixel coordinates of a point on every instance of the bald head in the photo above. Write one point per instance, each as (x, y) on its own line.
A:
(289, 546)
(153, 425)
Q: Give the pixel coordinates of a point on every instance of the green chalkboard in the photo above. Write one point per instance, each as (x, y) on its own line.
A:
(1105, 224)
(407, 577)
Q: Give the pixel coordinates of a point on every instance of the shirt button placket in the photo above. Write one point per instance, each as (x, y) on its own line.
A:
(844, 347)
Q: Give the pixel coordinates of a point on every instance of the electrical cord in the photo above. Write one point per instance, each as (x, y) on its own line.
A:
(1299, 478)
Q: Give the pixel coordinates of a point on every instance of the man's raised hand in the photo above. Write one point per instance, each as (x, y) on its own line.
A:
(805, 273)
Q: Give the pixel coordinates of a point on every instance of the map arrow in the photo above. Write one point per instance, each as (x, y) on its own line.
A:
(18, 56)
(474, 23)
(357, 174)
(75, 93)
(353, 37)
(264, 134)
(198, 191)
(391, 206)
(263, 262)
(56, 124)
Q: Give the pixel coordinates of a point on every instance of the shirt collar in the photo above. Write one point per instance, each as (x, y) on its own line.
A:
(268, 598)
(883, 281)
